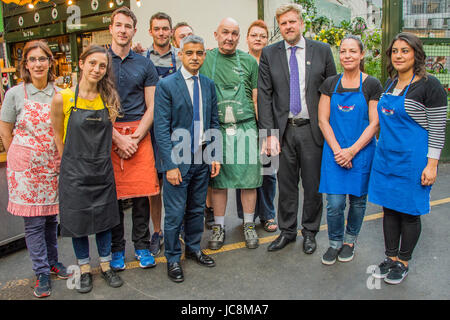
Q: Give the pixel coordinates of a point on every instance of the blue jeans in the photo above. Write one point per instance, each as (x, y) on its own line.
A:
(81, 247)
(336, 218)
(41, 240)
(265, 208)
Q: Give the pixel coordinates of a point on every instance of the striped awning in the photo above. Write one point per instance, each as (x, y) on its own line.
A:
(24, 2)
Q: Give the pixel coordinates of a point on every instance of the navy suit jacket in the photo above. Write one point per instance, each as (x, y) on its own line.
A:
(174, 110)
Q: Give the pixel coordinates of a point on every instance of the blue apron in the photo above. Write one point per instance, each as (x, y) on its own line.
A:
(400, 158)
(349, 117)
(162, 73)
(165, 71)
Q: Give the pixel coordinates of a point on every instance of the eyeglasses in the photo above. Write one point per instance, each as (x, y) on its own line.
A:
(261, 36)
(40, 59)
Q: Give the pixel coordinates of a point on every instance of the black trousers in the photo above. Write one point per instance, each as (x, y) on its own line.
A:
(300, 157)
(401, 233)
(140, 215)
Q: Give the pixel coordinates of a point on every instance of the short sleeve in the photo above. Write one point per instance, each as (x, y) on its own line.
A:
(9, 109)
(254, 76)
(327, 86)
(151, 75)
(435, 95)
(375, 88)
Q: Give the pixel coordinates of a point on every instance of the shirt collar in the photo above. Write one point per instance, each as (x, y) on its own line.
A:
(171, 51)
(130, 54)
(48, 90)
(300, 44)
(186, 74)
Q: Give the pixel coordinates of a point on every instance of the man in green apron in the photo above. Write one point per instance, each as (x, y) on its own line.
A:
(235, 74)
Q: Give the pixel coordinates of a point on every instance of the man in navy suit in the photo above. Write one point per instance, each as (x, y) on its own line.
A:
(186, 108)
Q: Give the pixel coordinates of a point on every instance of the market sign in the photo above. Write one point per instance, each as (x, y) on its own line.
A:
(90, 23)
(35, 33)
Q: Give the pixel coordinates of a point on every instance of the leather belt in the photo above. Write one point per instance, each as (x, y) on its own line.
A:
(297, 122)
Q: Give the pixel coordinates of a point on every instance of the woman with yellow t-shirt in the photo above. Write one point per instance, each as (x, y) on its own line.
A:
(82, 119)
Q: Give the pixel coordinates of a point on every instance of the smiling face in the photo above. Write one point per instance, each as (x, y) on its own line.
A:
(291, 27)
(227, 36)
(402, 56)
(192, 56)
(257, 39)
(350, 54)
(122, 30)
(94, 67)
(161, 32)
(37, 64)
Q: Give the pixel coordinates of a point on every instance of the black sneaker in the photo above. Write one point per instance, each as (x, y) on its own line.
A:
(397, 273)
(217, 237)
(383, 268)
(112, 278)
(330, 256)
(85, 283)
(43, 286)
(347, 253)
(209, 217)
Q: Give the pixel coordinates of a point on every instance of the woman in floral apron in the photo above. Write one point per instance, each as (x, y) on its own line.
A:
(33, 161)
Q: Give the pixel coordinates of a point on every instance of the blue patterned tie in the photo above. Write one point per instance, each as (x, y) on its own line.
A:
(195, 135)
(295, 102)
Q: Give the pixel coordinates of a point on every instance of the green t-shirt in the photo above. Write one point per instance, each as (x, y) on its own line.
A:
(227, 70)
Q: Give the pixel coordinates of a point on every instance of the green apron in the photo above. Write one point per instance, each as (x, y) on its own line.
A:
(241, 168)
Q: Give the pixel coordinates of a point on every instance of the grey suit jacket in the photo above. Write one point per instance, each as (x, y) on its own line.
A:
(273, 85)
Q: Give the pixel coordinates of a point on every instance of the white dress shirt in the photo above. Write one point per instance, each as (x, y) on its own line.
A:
(300, 54)
(190, 85)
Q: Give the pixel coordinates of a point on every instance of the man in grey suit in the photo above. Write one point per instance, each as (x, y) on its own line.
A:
(290, 74)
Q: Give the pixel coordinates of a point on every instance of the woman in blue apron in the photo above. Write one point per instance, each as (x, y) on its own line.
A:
(82, 121)
(349, 121)
(412, 114)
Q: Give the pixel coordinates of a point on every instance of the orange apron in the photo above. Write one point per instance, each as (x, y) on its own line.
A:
(135, 177)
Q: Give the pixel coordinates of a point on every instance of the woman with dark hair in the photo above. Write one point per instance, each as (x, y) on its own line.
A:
(82, 118)
(348, 120)
(33, 161)
(412, 113)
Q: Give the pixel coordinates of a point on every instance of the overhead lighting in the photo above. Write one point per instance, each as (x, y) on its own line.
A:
(70, 2)
(111, 4)
(31, 6)
(138, 3)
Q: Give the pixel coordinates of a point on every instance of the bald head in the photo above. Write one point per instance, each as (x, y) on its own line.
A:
(227, 35)
(228, 23)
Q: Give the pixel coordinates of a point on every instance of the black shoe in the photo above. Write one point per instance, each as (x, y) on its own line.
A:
(330, 256)
(112, 278)
(43, 286)
(279, 243)
(201, 258)
(175, 272)
(209, 217)
(383, 268)
(347, 253)
(85, 283)
(397, 273)
(309, 244)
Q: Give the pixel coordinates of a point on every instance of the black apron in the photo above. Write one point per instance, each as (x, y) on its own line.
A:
(87, 190)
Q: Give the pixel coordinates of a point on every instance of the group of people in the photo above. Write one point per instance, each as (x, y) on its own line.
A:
(182, 121)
